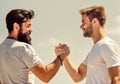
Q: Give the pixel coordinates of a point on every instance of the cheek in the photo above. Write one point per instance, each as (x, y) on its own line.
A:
(24, 30)
(85, 26)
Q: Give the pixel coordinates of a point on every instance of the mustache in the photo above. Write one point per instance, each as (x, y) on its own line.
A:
(28, 33)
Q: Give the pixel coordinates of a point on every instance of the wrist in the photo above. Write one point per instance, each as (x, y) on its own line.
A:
(61, 61)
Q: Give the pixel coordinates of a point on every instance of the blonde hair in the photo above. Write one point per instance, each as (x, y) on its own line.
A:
(97, 12)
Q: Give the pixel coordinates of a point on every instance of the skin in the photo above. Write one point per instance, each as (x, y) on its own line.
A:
(95, 31)
(43, 72)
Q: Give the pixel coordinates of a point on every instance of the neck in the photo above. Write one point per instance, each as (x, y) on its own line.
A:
(12, 36)
(98, 35)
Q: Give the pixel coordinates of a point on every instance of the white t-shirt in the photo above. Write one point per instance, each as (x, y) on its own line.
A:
(16, 58)
(104, 54)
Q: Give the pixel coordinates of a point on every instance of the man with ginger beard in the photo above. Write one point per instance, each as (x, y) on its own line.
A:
(102, 64)
(18, 60)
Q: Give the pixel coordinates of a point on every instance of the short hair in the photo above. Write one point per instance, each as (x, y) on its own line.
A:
(18, 16)
(95, 12)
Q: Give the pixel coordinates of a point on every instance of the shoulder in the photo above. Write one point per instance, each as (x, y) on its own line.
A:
(108, 44)
(22, 46)
(27, 47)
(107, 41)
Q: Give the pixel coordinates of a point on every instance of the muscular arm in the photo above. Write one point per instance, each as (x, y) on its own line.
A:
(46, 73)
(114, 73)
(77, 74)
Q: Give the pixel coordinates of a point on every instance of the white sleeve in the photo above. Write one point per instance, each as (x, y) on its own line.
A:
(85, 60)
(111, 54)
(29, 56)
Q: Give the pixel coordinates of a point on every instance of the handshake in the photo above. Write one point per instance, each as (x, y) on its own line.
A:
(62, 50)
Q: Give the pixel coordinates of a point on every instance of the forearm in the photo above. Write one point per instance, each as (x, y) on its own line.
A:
(115, 80)
(114, 73)
(72, 70)
(46, 73)
(52, 68)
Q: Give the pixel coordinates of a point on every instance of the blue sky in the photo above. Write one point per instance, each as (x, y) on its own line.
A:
(58, 21)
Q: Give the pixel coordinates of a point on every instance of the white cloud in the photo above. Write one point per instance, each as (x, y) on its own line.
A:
(117, 18)
(41, 44)
(113, 31)
(54, 41)
(50, 42)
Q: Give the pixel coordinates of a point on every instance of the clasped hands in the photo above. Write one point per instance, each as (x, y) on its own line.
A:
(62, 50)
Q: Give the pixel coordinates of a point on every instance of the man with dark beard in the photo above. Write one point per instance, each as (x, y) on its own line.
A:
(102, 64)
(24, 37)
(18, 60)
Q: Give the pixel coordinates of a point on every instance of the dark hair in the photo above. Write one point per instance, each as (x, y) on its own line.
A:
(18, 16)
(95, 12)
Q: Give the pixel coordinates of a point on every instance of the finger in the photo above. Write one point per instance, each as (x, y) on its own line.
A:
(58, 46)
(64, 45)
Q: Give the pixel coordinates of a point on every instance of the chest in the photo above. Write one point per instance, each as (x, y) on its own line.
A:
(94, 57)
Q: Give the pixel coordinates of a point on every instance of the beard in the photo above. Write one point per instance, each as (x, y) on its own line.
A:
(88, 31)
(24, 37)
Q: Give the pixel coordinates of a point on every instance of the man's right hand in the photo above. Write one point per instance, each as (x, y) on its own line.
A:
(62, 50)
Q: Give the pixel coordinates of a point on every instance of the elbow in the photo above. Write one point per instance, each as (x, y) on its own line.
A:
(47, 79)
(115, 80)
(76, 80)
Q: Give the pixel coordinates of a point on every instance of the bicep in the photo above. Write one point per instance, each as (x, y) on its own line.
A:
(114, 73)
(40, 71)
(110, 54)
(82, 70)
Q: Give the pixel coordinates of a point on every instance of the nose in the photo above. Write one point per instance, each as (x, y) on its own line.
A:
(30, 30)
(81, 26)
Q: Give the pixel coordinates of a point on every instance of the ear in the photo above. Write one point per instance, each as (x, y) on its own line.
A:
(16, 26)
(95, 21)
